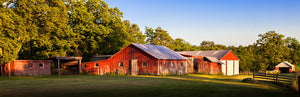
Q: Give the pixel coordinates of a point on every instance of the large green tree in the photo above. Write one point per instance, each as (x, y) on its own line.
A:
(13, 33)
(271, 49)
(52, 35)
(293, 50)
(135, 33)
(181, 45)
(159, 37)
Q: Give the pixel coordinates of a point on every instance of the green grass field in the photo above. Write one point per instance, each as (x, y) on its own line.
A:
(192, 85)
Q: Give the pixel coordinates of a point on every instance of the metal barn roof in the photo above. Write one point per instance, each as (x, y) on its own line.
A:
(159, 52)
(213, 53)
(285, 64)
(213, 59)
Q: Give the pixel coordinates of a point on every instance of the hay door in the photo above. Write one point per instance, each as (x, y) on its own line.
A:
(134, 67)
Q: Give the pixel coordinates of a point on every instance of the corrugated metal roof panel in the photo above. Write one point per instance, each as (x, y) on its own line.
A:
(160, 52)
(213, 53)
(213, 59)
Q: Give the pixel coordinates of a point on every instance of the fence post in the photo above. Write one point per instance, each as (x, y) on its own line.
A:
(266, 73)
(253, 74)
(277, 78)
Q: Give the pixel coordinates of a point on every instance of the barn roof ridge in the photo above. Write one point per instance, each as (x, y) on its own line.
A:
(159, 52)
(219, 54)
(285, 63)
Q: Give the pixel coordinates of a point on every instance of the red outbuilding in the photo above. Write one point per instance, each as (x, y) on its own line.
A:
(26, 67)
(285, 67)
(213, 62)
(139, 59)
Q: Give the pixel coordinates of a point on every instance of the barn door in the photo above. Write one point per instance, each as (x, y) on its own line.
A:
(230, 67)
(134, 67)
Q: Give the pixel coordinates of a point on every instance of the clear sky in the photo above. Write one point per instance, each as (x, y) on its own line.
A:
(227, 22)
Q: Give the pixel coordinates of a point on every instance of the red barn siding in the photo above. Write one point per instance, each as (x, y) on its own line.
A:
(177, 68)
(126, 55)
(209, 67)
(230, 56)
(20, 67)
(103, 67)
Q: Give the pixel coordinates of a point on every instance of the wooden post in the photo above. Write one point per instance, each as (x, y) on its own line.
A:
(253, 74)
(79, 66)
(277, 78)
(58, 65)
(9, 69)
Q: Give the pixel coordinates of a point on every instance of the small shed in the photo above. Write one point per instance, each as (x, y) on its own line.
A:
(26, 68)
(139, 59)
(66, 65)
(213, 61)
(285, 67)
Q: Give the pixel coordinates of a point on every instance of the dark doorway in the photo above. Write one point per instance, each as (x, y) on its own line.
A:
(284, 69)
(196, 64)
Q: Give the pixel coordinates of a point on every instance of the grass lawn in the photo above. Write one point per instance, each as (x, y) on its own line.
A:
(192, 85)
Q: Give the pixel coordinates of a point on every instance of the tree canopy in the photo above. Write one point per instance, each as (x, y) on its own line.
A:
(40, 29)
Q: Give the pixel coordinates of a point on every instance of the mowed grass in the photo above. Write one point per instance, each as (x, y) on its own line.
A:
(192, 85)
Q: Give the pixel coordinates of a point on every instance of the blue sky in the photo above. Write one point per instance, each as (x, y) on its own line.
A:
(228, 22)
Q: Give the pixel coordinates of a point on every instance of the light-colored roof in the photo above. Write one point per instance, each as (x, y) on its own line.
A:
(159, 52)
(285, 64)
(213, 53)
(213, 59)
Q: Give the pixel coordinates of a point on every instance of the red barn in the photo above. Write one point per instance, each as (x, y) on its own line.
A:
(285, 67)
(213, 62)
(140, 59)
(26, 67)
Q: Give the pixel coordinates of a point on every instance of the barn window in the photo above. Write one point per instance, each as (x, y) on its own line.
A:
(121, 64)
(172, 64)
(144, 64)
(30, 65)
(165, 63)
(181, 63)
(96, 65)
(83, 65)
(41, 65)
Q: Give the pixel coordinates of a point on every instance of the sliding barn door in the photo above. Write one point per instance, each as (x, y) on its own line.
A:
(134, 67)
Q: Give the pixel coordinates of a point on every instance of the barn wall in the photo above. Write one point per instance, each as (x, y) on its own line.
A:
(190, 65)
(204, 67)
(223, 66)
(129, 53)
(103, 67)
(179, 67)
(154, 66)
(209, 67)
(231, 64)
(20, 68)
(236, 67)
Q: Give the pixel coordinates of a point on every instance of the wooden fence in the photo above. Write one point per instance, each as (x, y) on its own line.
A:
(275, 78)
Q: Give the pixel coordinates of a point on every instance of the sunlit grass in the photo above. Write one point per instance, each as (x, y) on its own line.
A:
(136, 86)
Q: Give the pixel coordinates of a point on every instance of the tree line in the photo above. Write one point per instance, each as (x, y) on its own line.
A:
(41, 29)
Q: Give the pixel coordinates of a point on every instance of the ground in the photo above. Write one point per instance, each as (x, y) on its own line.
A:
(192, 85)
